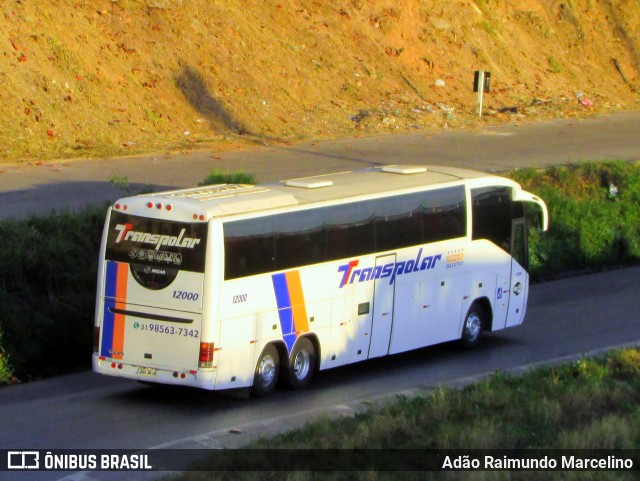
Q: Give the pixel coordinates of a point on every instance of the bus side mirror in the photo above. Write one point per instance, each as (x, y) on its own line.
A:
(521, 195)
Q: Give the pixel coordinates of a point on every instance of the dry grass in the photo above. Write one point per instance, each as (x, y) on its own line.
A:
(82, 78)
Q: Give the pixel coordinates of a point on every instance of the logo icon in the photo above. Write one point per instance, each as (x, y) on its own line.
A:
(126, 233)
(391, 270)
(517, 289)
(23, 460)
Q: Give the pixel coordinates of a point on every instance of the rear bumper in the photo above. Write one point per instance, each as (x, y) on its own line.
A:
(204, 379)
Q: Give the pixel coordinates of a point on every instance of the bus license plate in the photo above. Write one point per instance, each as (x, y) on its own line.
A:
(147, 371)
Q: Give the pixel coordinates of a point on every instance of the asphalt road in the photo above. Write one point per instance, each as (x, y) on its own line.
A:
(566, 319)
(27, 189)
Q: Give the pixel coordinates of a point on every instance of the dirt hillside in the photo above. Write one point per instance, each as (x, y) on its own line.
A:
(87, 78)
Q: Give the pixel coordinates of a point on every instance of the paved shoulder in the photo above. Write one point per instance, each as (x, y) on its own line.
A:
(37, 189)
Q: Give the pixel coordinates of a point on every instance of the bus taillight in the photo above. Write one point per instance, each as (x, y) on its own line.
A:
(206, 354)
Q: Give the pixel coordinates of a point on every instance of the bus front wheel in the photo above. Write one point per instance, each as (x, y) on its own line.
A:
(301, 363)
(473, 326)
(267, 369)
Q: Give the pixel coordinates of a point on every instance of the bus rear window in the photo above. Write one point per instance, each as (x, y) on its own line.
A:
(157, 247)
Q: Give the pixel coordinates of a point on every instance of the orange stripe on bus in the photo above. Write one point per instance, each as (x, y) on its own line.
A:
(298, 306)
(121, 303)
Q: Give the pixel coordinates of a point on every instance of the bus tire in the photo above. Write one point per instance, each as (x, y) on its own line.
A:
(474, 324)
(301, 364)
(267, 370)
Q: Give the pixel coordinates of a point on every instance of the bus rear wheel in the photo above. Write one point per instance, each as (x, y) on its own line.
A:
(301, 363)
(473, 326)
(267, 370)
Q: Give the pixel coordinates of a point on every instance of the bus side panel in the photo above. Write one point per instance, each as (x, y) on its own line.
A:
(237, 349)
(410, 329)
(428, 313)
(284, 306)
(347, 340)
(491, 267)
(518, 296)
(336, 343)
(435, 285)
(239, 305)
(361, 314)
(320, 317)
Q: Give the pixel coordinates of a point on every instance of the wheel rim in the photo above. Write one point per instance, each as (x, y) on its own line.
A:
(266, 370)
(473, 326)
(301, 364)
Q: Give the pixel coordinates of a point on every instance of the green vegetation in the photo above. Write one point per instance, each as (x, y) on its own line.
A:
(219, 176)
(587, 404)
(120, 181)
(554, 65)
(47, 290)
(594, 212)
(487, 27)
(48, 279)
(5, 369)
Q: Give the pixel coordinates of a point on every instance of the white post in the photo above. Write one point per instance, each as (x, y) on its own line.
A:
(480, 91)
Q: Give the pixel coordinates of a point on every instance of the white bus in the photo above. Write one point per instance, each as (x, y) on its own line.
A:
(238, 286)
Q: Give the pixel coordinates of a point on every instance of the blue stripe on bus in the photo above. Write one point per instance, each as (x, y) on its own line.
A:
(112, 277)
(108, 320)
(285, 312)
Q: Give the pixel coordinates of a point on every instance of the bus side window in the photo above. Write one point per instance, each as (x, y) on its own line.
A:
(350, 230)
(246, 256)
(300, 238)
(350, 240)
(249, 247)
(445, 215)
(300, 248)
(400, 222)
(492, 214)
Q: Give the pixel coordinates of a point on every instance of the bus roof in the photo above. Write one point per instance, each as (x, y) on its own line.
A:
(230, 199)
(373, 180)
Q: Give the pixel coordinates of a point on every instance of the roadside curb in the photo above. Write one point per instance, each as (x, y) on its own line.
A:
(242, 435)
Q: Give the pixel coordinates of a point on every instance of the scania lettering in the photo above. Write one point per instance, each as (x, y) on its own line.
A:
(243, 286)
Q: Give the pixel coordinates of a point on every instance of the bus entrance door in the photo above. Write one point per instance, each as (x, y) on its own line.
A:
(382, 319)
(519, 276)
